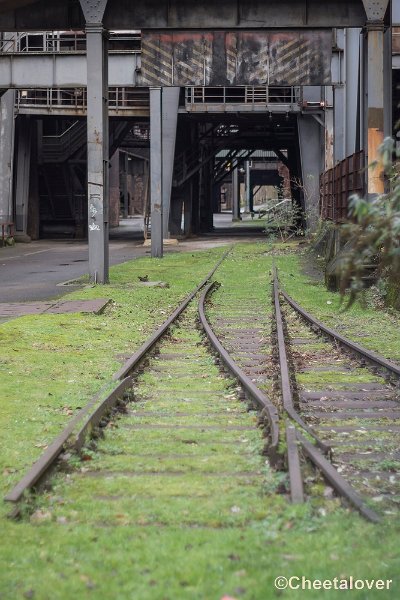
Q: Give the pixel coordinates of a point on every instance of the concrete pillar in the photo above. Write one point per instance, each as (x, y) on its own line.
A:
(98, 140)
(170, 105)
(7, 132)
(235, 195)
(24, 141)
(156, 172)
(311, 160)
(374, 31)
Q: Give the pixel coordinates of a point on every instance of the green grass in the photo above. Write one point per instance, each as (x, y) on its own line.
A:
(376, 330)
(159, 536)
(313, 379)
(50, 365)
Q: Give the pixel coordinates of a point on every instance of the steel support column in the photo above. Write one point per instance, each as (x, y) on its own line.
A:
(311, 157)
(248, 186)
(124, 186)
(115, 190)
(352, 58)
(374, 31)
(170, 105)
(387, 84)
(339, 78)
(236, 194)
(97, 139)
(98, 153)
(329, 128)
(156, 172)
(7, 129)
(24, 141)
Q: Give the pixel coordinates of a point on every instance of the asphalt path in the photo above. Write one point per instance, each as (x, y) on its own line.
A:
(37, 271)
(40, 270)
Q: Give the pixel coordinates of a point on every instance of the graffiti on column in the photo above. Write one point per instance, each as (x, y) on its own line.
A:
(95, 212)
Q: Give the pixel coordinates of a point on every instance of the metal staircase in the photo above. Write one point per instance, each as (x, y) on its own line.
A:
(60, 148)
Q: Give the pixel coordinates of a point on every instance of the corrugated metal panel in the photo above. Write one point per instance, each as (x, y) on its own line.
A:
(224, 58)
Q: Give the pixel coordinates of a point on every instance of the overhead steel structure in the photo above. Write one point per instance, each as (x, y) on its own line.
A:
(188, 43)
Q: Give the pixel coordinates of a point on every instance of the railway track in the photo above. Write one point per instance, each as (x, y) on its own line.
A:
(184, 446)
(178, 440)
(347, 399)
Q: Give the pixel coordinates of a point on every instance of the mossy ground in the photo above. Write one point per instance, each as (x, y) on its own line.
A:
(119, 548)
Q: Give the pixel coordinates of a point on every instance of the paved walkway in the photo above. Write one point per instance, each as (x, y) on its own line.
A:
(39, 270)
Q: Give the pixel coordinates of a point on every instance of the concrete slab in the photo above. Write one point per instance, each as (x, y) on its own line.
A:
(16, 309)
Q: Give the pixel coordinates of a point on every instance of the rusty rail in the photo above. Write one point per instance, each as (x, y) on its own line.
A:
(144, 349)
(259, 397)
(372, 357)
(336, 480)
(341, 486)
(294, 467)
(46, 461)
(285, 383)
(77, 430)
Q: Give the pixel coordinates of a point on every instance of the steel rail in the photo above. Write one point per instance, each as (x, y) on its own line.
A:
(369, 355)
(78, 428)
(53, 451)
(286, 386)
(336, 480)
(249, 387)
(317, 457)
(294, 468)
(137, 357)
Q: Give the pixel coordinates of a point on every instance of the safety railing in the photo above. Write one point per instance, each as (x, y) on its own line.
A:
(250, 95)
(120, 98)
(66, 41)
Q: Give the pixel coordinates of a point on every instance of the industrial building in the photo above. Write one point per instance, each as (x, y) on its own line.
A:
(169, 108)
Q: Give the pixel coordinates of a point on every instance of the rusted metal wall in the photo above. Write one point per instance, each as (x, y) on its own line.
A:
(223, 58)
(338, 184)
(396, 40)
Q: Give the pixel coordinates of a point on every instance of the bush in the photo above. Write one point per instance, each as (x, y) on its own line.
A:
(374, 236)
